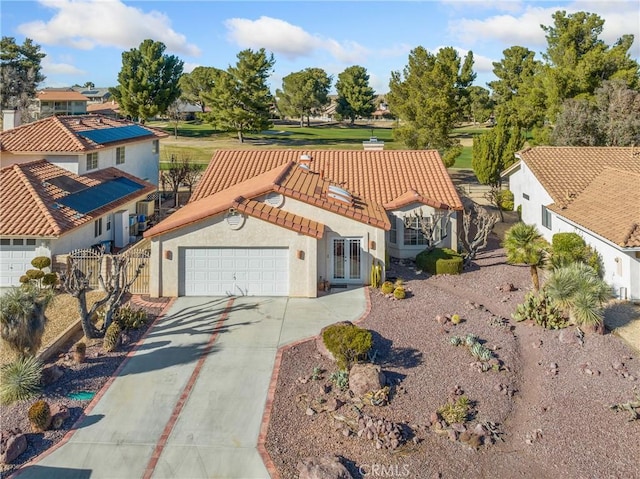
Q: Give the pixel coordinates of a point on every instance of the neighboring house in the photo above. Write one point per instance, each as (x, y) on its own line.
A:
(276, 222)
(592, 191)
(85, 143)
(47, 210)
(94, 95)
(54, 101)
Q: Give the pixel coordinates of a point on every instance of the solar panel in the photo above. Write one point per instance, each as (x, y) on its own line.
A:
(67, 184)
(90, 199)
(118, 133)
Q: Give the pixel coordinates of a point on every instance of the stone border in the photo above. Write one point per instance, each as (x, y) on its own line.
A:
(266, 416)
(51, 349)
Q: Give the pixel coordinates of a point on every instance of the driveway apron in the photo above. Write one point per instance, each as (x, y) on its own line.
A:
(189, 402)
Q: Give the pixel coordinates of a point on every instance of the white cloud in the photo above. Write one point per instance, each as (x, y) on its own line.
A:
(291, 41)
(621, 17)
(49, 67)
(512, 6)
(189, 67)
(86, 25)
(398, 50)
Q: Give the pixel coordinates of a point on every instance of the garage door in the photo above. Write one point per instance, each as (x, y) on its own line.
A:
(236, 271)
(14, 262)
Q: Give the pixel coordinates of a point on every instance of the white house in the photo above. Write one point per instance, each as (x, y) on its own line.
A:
(47, 211)
(276, 222)
(83, 144)
(592, 191)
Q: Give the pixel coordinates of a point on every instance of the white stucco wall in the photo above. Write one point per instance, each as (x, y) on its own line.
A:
(621, 267)
(400, 250)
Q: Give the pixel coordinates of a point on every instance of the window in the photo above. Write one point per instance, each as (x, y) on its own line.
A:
(393, 232)
(31, 242)
(5, 242)
(97, 227)
(92, 161)
(156, 146)
(412, 234)
(546, 217)
(525, 196)
(120, 155)
(109, 223)
(18, 242)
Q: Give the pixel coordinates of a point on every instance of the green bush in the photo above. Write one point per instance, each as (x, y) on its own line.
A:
(505, 200)
(440, 261)
(347, 342)
(41, 262)
(20, 379)
(570, 248)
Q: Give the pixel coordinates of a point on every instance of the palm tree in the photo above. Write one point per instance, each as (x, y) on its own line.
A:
(22, 318)
(580, 292)
(525, 245)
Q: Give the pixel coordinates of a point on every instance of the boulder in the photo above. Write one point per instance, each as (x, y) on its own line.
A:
(322, 349)
(568, 336)
(59, 414)
(364, 378)
(12, 444)
(327, 467)
(51, 374)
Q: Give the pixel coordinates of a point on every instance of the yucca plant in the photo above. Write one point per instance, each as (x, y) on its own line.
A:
(578, 290)
(525, 245)
(20, 379)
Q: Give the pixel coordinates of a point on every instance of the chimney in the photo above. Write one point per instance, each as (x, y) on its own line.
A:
(305, 162)
(10, 119)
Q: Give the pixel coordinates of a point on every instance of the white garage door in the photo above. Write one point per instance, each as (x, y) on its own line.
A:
(14, 262)
(236, 271)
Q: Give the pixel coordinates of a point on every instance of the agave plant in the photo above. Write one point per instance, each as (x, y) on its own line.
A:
(20, 379)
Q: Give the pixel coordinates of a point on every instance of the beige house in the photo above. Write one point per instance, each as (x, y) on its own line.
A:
(278, 222)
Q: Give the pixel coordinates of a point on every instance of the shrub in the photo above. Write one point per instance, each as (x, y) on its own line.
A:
(440, 261)
(568, 248)
(20, 380)
(49, 279)
(129, 318)
(34, 274)
(399, 293)
(387, 287)
(542, 310)
(456, 411)
(347, 342)
(41, 262)
(505, 200)
(40, 416)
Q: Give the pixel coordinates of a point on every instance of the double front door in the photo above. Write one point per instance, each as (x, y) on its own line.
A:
(346, 260)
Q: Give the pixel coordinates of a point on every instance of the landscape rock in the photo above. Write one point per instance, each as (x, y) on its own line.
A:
(51, 374)
(506, 287)
(333, 404)
(366, 377)
(12, 444)
(568, 336)
(327, 467)
(59, 414)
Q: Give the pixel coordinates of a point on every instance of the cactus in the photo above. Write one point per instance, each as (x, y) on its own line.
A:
(111, 337)
(399, 293)
(470, 339)
(481, 352)
(80, 351)
(455, 340)
(399, 283)
(40, 416)
(455, 319)
(387, 287)
(376, 274)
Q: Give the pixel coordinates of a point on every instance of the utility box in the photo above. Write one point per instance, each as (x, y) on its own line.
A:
(146, 207)
(121, 228)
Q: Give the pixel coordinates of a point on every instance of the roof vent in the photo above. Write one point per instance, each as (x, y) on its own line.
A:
(305, 162)
(339, 194)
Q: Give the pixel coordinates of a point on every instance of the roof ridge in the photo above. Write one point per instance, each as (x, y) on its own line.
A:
(69, 133)
(34, 194)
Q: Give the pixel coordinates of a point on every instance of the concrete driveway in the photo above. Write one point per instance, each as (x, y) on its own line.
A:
(189, 402)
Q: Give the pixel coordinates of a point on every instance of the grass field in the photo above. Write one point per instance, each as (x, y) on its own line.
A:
(199, 141)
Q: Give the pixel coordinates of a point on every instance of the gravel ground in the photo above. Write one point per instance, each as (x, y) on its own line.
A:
(88, 376)
(556, 424)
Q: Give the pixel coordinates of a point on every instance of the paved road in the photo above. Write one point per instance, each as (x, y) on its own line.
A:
(189, 403)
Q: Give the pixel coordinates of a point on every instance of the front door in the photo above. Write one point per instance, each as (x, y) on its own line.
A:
(347, 259)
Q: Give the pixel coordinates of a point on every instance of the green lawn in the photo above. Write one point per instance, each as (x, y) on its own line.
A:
(464, 160)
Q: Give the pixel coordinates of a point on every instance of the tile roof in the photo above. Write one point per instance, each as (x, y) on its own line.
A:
(566, 171)
(609, 206)
(60, 95)
(28, 198)
(384, 177)
(61, 134)
(287, 179)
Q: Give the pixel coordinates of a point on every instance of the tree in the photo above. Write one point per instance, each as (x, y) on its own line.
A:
(579, 292)
(480, 104)
(426, 98)
(304, 93)
(477, 224)
(20, 73)
(181, 171)
(148, 80)
(355, 96)
(195, 85)
(578, 61)
(22, 318)
(115, 283)
(174, 115)
(240, 99)
(525, 245)
(89, 84)
(433, 227)
(612, 119)
(494, 151)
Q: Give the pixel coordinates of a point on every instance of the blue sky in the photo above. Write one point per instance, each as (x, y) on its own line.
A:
(84, 40)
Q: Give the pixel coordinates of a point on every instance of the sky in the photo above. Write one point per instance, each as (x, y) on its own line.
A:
(84, 39)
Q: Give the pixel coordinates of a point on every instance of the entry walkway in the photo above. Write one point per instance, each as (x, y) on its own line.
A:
(189, 403)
